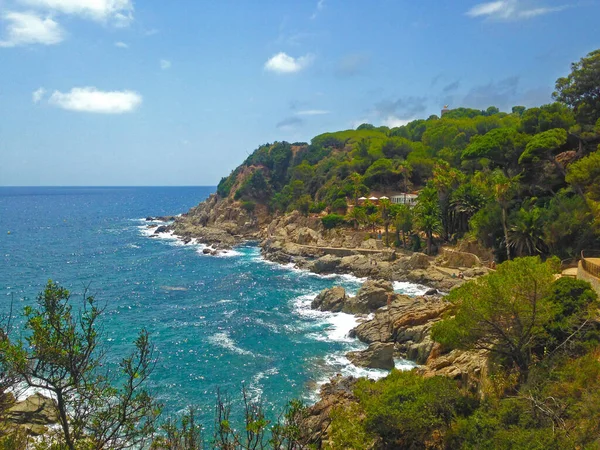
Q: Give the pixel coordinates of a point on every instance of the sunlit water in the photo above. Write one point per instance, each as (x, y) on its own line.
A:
(216, 321)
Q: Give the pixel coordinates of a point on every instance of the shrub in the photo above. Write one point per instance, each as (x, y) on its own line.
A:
(406, 410)
(340, 206)
(332, 220)
(317, 207)
(249, 206)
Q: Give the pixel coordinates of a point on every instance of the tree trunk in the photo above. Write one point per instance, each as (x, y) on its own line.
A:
(63, 419)
(429, 242)
(387, 235)
(505, 227)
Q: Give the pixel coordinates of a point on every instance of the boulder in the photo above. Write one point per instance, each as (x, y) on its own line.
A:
(330, 299)
(325, 264)
(432, 291)
(373, 294)
(161, 229)
(33, 414)
(418, 261)
(379, 355)
(372, 244)
(306, 236)
(455, 259)
(206, 251)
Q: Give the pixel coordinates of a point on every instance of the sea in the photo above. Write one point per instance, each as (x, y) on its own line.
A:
(225, 322)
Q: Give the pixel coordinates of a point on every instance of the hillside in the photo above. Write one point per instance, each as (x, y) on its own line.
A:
(520, 183)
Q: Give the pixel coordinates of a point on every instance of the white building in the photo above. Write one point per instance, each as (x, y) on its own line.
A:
(404, 199)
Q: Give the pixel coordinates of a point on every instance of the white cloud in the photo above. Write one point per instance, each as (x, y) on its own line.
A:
(30, 28)
(320, 6)
(393, 121)
(509, 10)
(121, 45)
(165, 64)
(312, 112)
(38, 95)
(90, 99)
(117, 12)
(283, 63)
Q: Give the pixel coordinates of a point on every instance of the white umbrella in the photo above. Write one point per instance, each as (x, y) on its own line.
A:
(384, 198)
(362, 198)
(373, 198)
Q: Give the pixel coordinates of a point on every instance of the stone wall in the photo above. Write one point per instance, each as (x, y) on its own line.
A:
(583, 275)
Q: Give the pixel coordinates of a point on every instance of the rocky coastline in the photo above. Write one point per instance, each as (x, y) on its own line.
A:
(391, 324)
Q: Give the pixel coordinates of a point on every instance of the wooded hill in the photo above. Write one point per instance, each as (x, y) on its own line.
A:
(523, 183)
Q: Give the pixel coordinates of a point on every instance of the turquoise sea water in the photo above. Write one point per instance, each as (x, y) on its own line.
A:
(216, 321)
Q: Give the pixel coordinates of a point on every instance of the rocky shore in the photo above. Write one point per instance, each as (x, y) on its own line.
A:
(393, 325)
(303, 241)
(397, 326)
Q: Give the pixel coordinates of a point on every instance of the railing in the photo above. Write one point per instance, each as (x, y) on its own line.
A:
(589, 266)
(570, 263)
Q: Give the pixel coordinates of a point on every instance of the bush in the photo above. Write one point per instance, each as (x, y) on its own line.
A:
(332, 220)
(317, 207)
(248, 206)
(340, 206)
(406, 410)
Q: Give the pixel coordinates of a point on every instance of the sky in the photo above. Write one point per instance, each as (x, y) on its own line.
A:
(125, 92)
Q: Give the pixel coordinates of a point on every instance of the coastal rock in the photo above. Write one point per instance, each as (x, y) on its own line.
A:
(418, 261)
(455, 259)
(406, 322)
(325, 264)
(467, 367)
(338, 393)
(161, 229)
(372, 244)
(33, 414)
(206, 251)
(379, 355)
(373, 294)
(330, 299)
(306, 236)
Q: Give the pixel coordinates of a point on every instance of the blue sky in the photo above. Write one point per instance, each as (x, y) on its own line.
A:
(124, 92)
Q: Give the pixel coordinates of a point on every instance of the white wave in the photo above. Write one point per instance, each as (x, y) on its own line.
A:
(223, 340)
(21, 392)
(270, 326)
(404, 287)
(224, 301)
(335, 327)
(256, 386)
(228, 253)
(346, 277)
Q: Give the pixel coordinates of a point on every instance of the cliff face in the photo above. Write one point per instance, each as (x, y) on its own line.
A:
(221, 222)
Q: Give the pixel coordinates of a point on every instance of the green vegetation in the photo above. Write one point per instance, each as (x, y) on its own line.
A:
(505, 179)
(100, 407)
(542, 386)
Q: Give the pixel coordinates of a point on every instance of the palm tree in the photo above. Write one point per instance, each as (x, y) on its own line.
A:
(464, 203)
(384, 212)
(428, 215)
(526, 234)
(373, 220)
(357, 215)
(504, 188)
(403, 222)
